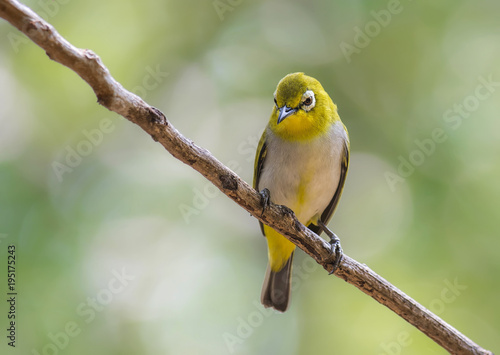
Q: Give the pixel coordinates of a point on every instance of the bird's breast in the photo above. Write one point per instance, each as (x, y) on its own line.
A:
(304, 175)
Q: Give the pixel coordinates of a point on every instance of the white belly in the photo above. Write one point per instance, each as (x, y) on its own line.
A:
(304, 176)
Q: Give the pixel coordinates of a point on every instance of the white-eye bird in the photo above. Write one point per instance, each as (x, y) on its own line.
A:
(301, 162)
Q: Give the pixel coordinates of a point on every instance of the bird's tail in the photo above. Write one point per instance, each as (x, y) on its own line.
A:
(276, 288)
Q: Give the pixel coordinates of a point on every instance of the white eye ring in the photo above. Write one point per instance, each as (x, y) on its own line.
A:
(308, 96)
(275, 102)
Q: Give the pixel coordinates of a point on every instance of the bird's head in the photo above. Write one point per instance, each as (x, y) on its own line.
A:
(302, 108)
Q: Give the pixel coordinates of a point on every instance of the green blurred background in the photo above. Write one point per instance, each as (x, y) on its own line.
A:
(121, 249)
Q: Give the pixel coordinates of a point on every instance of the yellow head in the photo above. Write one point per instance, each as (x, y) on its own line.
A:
(302, 108)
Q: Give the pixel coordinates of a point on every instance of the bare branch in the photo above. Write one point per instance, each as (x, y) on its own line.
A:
(113, 96)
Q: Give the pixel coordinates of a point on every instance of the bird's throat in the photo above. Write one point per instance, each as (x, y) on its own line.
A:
(299, 127)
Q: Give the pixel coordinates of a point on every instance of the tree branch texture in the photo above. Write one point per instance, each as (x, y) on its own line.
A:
(114, 97)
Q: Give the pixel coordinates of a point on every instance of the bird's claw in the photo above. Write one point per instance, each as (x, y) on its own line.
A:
(335, 244)
(337, 250)
(265, 200)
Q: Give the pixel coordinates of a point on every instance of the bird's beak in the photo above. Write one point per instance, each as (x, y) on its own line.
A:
(285, 111)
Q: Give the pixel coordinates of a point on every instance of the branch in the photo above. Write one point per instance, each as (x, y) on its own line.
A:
(114, 97)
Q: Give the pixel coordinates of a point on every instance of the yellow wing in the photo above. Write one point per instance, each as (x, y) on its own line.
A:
(260, 157)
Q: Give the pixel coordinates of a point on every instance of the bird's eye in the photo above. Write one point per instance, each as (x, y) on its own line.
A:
(275, 102)
(308, 100)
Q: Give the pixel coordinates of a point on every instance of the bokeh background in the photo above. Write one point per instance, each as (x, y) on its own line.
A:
(121, 249)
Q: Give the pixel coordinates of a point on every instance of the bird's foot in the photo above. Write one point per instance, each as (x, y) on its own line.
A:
(337, 250)
(265, 200)
(335, 244)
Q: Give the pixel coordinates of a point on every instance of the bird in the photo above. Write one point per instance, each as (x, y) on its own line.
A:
(301, 162)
